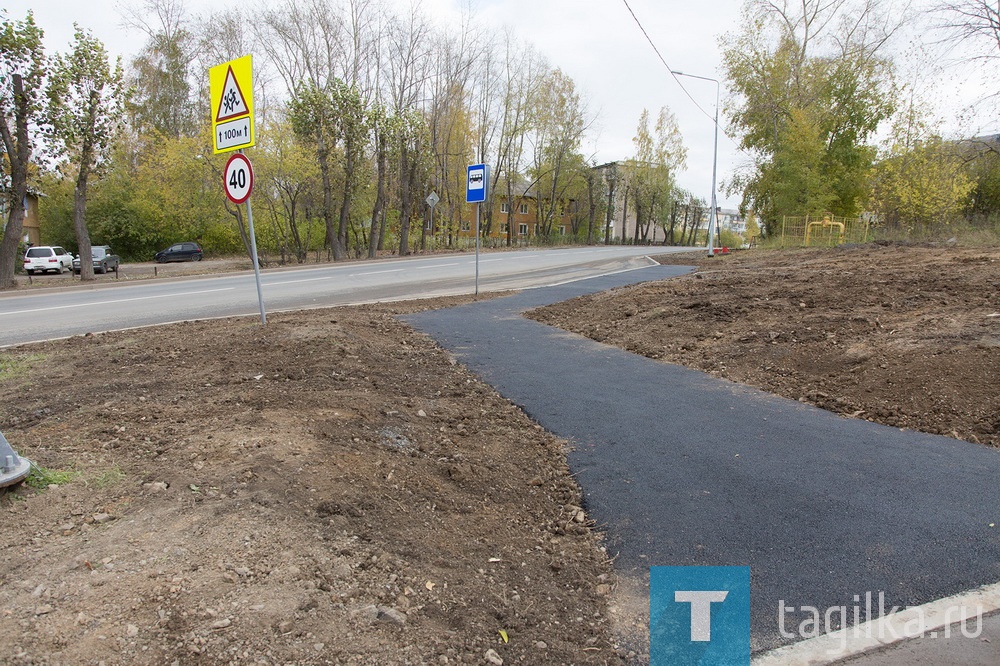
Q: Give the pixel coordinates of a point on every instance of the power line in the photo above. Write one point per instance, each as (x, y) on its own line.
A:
(669, 68)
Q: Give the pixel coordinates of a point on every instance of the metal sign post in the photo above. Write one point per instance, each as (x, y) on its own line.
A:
(238, 181)
(256, 265)
(231, 92)
(477, 249)
(477, 192)
(432, 201)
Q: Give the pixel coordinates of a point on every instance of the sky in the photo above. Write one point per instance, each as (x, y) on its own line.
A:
(596, 42)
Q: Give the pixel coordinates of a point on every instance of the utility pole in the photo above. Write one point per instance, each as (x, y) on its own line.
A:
(712, 220)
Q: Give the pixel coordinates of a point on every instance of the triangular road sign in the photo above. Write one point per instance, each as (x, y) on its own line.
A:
(233, 104)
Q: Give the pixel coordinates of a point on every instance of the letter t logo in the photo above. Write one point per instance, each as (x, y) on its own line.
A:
(701, 610)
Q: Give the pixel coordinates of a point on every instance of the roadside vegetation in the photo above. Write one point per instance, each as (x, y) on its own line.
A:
(821, 98)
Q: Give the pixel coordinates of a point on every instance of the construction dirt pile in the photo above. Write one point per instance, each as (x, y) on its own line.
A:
(331, 489)
(904, 335)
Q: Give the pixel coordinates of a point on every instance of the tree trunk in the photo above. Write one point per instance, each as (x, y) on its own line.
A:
(324, 168)
(625, 216)
(638, 218)
(684, 223)
(80, 227)
(373, 238)
(293, 227)
(404, 200)
(80, 194)
(340, 247)
(673, 225)
(381, 232)
(19, 152)
(592, 206)
(609, 216)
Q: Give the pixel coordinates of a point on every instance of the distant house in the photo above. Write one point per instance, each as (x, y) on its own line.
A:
(521, 210)
(730, 218)
(31, 232)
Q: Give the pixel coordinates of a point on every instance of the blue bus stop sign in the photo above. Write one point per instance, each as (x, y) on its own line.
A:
(478, 183)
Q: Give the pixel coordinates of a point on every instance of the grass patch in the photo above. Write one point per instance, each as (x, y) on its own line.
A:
(108, 477)
(16, 366)
(41, 478)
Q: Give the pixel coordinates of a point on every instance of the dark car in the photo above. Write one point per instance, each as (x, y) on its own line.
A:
(104, 259)
(180, 252)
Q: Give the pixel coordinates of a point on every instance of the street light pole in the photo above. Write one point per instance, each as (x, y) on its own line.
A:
(712, 220)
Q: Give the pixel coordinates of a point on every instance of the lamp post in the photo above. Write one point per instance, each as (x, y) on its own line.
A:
(712, 221)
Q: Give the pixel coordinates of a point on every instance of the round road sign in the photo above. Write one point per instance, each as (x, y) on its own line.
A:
(238, 178)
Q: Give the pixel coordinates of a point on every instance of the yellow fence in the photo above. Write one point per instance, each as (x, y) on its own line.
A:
(821, 230)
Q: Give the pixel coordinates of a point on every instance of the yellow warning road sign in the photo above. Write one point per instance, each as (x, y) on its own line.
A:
(230, 87)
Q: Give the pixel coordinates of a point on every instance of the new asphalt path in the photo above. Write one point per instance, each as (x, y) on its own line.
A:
(680, 468)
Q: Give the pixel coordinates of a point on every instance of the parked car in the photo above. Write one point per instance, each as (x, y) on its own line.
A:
(104, 259)
(45, 258)
(180, 252)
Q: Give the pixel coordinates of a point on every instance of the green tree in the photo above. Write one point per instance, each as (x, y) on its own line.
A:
(22, 73)
(921, 180)
(287, 177)
(162, 103)
(86, 100)
(329, 118)
(810, 89)
(313, 116)
(559, 123)
(659, 154)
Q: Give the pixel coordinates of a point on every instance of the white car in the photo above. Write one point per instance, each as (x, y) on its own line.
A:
(44, 258)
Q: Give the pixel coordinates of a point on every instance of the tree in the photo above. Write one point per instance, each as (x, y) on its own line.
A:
(161, 74)
(22, 72)
(86, 100)
(287, 176)
(811, 88)
(920, 180)
(652, 171)
(559, 124)
(976, 22)
(313, 115)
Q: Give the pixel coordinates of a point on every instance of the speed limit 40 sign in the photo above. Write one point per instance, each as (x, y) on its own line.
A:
(238, 178)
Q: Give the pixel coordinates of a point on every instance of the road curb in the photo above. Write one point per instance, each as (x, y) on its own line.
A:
(908, 624)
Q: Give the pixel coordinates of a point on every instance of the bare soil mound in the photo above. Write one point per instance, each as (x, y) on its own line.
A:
(904, 335)
(330, 489)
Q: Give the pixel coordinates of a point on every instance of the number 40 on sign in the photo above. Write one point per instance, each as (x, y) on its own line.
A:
(238, 178)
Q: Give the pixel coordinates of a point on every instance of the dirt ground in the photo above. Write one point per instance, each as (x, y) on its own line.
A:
(904, 335)
(336, 489)
(333, 489)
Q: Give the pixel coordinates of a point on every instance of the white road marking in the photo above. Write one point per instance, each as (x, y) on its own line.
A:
(394, 270)
(420, 268)
(315, 279)
(117, 300)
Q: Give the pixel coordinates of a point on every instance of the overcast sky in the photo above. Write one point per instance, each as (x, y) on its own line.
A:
(596, 42)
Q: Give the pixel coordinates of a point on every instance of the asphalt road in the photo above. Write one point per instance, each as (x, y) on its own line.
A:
(680, 468)
(43, 314)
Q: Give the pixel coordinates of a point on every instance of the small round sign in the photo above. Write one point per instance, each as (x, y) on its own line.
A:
(238, 178)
